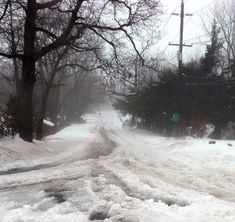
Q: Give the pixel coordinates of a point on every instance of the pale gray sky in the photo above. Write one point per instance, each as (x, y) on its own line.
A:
(193, 27)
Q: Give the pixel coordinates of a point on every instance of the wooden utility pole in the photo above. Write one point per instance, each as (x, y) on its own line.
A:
(181, 39)
(181, 44)
(177, 115)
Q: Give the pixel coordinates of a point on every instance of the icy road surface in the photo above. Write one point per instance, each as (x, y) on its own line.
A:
(101, 172)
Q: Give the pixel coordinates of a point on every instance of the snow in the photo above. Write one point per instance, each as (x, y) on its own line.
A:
(48, 123)
(102, 172)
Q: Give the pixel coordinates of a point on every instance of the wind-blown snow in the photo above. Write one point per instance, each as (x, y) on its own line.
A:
(99, 171)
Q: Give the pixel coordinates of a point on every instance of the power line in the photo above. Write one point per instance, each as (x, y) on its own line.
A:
(186, 52)
(201, 43)
(178, 31)
(196, 13)
(174, 37)
(186, 23)
(181, 39)
(198, 37)
(204, 7)
(167, 21)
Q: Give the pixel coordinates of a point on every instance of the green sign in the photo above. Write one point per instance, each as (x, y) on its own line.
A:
(176, 117)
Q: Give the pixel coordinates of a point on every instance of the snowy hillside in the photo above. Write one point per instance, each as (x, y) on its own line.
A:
(99, 171)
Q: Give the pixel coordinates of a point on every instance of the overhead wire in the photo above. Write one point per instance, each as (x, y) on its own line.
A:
(178, 31)
(204, 7)
(201, 43)
(198, 37)
(186, 23)
(178, 3)
(173, 38)
(204, 35)
(168, 19)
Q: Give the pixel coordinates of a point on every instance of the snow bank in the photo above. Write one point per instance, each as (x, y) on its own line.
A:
(48, 123)
(16, 153)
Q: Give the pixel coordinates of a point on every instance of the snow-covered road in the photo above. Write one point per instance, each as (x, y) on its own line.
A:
(101, 172)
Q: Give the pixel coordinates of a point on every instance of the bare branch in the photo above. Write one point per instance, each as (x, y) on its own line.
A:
(48, 4)
(106, 28)
(21, 4)
(134, 46)
(11, 56)
(65, 38)
(106, 40)
(83, 49)
(74, 65)
(5, 10)
(5, 77)
(40, 29)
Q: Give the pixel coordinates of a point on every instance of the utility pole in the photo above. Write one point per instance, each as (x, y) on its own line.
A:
(181, 44)
(176, 115)
(181, 39)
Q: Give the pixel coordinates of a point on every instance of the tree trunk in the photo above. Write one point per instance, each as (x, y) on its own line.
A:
(56, 110)
(39, 130)
(45, 96)
(25, 100)
(25, 95)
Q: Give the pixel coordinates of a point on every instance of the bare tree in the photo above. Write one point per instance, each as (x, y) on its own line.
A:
(76, 97)
(72, 20)
(55, 71)
(49, 69)
(224, 14)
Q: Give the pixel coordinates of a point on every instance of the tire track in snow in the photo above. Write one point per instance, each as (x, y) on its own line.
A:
(175, 174)
(94, 151)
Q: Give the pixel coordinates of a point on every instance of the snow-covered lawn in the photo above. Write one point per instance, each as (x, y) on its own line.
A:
(101, 172)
